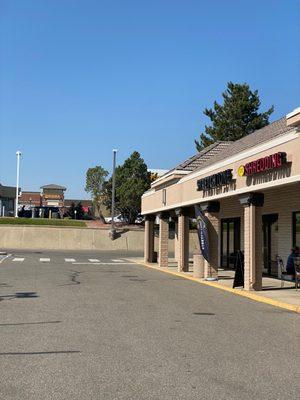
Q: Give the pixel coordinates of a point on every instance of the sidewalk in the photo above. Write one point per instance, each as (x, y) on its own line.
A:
(272, 293)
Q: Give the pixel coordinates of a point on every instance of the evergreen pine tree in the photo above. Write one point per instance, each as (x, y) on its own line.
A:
(237, 117)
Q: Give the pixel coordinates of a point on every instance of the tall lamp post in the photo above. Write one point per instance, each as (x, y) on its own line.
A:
(18, 154)
(113, 230)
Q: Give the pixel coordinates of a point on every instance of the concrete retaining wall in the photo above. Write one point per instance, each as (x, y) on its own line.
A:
(58, 238)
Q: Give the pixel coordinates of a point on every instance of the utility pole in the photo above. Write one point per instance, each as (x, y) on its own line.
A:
(18, 154)
(113, 230)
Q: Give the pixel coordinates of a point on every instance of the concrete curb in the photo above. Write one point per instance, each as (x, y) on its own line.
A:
(238, 292)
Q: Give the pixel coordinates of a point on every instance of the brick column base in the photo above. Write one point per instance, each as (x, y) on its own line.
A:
(252, 247)
(183, 239)
(163, 245)
(211, 268)
(149, 241)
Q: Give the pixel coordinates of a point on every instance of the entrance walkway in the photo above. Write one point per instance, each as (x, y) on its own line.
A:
(272, 293)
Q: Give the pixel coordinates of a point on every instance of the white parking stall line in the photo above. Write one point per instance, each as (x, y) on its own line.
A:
(70, 260)
(93, 260)
(44, 259)
(103, 263)
(18, 259)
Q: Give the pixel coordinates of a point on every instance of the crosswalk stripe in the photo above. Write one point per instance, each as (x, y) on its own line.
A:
(73, 260)
(103, 263)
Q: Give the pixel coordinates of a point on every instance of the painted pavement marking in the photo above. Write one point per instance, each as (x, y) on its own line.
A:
(44, 259)
(103, 263)
(93, 260)
(118, 261)
(70, 260)
(18, 259)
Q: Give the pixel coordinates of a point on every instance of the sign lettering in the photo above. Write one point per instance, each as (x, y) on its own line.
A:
(267, 163)
(216, 180)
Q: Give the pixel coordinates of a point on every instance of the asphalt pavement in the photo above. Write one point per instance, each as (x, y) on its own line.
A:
(91, 325)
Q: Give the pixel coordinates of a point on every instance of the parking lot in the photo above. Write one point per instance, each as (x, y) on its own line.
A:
(91, 325)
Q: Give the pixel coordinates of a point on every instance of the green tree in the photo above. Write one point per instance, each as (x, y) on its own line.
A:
(237, 117)
(95, 179)
(132, 180)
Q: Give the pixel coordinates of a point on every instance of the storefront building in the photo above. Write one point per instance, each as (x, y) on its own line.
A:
(249, 190)
(53, 195)
(7, 200)
(87, 205)
(30, 199)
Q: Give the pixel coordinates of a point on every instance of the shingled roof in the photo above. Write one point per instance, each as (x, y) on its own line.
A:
(53, 186)
(209, 153)
(221, 150)
(271, 131)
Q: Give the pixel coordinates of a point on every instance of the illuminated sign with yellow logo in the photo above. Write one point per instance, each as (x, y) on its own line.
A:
(241, 170)
(263, 164)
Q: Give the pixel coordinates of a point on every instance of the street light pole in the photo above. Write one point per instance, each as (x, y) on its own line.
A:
(18, 154)
(113, 231)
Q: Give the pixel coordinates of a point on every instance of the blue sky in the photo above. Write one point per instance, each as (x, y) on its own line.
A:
(79, 78)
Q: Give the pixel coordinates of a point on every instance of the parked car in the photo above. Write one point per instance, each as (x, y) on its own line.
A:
(118, 218)
(140, 219)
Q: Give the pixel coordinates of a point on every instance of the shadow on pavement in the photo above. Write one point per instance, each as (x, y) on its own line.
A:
(40, 353)
(19, 295)
(31, 323)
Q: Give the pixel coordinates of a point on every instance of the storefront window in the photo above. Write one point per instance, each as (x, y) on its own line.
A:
(230, 241)
(296, 228)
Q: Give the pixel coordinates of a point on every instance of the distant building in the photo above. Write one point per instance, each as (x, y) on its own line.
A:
(30, 199)
(48, 202)
(87, 205)
(7, 200)
(53, 195)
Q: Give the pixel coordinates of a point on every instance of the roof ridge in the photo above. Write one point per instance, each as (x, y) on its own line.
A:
(222, 149)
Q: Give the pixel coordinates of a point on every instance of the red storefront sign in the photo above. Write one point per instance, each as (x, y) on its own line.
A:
(263, 164)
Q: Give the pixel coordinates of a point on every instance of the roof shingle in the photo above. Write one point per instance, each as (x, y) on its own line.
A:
(221, 150)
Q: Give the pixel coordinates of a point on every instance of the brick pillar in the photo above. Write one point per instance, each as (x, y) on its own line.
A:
(149, 239)
(163, 241)
(252, 247)
(258, 252)
(183, 242)
(252, 240)
(176, 242)
(213, 227)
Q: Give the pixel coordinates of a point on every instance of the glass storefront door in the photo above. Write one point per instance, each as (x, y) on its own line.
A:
(230, 241)
(270, 244)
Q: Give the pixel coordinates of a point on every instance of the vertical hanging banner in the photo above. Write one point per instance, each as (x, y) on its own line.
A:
(202, 224)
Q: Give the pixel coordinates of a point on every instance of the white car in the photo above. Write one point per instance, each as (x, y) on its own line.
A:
(140, 219)
(118, 218)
